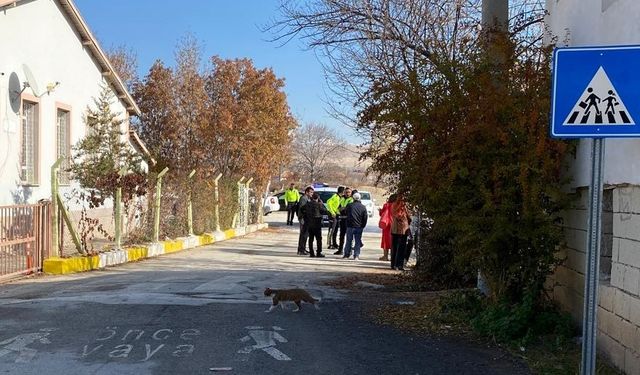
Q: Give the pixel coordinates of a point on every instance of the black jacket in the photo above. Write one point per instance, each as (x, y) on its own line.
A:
(312, 213)
(356, 215)
(301, 203)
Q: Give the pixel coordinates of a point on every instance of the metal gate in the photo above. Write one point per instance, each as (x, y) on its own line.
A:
(25, 238)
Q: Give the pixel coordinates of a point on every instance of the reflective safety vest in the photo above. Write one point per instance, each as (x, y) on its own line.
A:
(333, 205)
(344, 202)
(291, 195)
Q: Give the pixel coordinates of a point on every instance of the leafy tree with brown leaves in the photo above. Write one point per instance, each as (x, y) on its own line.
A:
(470, 151)
(228, 118)
(191, 107)
(156, 124)
(250, 120)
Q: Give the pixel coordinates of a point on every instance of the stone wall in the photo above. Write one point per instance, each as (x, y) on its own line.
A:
(619, 292)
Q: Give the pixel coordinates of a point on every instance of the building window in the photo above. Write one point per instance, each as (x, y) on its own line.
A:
(30, 142)
(63, 143)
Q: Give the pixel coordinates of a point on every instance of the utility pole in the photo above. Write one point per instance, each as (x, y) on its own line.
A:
(495, 20)
(495, 14)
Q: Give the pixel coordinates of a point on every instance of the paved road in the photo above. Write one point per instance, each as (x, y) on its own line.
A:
(199, 309)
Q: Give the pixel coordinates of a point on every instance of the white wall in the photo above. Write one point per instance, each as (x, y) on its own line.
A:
(593, 23)
(37, 33)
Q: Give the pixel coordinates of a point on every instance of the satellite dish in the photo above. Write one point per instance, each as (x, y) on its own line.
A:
(31, 81)
(14, 92)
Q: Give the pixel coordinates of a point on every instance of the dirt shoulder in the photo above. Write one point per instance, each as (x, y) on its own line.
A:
(395, 300)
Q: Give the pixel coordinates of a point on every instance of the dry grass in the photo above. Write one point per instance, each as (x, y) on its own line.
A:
(387, 279)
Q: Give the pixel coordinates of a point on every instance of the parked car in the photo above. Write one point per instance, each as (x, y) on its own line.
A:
(367, 201)
(280, 197)
(270, 204)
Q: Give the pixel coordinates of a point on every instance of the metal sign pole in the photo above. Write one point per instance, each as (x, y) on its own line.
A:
(592, 266)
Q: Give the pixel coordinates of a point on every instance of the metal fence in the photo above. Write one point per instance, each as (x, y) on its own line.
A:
(25, 238)
(176, 205)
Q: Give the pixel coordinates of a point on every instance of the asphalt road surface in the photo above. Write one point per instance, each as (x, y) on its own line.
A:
(203, 309)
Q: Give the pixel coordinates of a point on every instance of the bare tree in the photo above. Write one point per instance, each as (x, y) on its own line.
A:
(313, 146)
(125, 62)
(366, 42)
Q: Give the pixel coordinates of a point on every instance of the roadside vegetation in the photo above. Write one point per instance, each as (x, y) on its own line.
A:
(548, 342)
(456, 119)
(204, 114)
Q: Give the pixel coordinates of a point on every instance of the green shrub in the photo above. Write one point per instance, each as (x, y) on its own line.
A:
(435, 257)
(523, 322)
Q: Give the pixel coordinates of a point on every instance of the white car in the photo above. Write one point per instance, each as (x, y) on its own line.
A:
(270, 205)
(367, 201)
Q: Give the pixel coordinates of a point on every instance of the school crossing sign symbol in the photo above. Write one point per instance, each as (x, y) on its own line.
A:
(600, 93)
(596, 92)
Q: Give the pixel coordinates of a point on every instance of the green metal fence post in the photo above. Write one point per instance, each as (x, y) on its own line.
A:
(246, 202)
(118, 216)
(237, 217)
(216, 197)
(189, 205)
(72, 231)
(156, 224)
(55, 241)
(118, 211)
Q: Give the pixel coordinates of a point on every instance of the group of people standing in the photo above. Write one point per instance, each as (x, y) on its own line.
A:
(347, 215)
(347, 220)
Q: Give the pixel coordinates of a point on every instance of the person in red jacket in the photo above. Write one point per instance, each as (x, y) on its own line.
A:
(400, 220)
(385, 225)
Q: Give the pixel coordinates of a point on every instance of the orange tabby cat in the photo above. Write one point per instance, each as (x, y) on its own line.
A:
(295, 295)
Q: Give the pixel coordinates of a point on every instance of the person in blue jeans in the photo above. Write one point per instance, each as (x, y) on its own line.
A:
(356, 217)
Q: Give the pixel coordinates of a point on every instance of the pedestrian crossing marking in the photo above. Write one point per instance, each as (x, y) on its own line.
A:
(599, 104)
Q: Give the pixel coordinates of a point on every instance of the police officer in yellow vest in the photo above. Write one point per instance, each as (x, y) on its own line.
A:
(333, 205)
(291, 198)
(344, 202)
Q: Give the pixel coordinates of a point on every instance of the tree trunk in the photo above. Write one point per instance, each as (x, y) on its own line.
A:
(495, 21)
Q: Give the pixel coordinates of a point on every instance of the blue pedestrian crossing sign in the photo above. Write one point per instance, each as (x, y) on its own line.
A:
(596, 92)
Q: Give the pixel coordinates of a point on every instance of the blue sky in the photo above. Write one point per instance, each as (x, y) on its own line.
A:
(230, 29)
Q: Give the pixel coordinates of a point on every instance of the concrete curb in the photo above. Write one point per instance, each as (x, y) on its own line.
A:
(62, 266)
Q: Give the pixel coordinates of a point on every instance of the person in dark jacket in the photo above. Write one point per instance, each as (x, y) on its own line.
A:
(312, 213)
(304, 228)
(356, 214)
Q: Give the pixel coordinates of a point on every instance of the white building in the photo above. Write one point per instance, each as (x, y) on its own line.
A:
(595, 23)
(51, 68)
